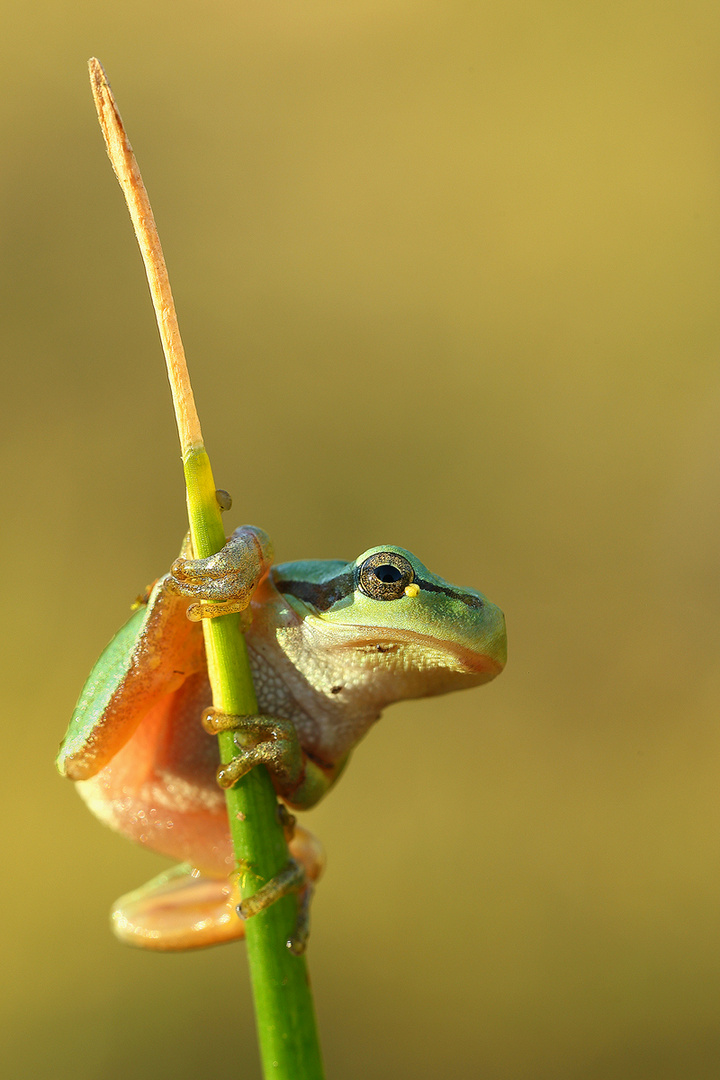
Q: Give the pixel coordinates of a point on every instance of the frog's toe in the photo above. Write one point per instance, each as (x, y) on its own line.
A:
(179, 909)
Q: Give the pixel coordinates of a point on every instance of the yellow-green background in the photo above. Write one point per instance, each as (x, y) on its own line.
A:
(448, 277)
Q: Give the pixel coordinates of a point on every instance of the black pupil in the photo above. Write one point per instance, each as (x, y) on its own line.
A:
(387, 573)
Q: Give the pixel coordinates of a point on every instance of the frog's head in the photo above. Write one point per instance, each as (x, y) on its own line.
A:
(386, 623)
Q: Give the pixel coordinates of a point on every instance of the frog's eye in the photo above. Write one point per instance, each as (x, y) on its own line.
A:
(385, 576)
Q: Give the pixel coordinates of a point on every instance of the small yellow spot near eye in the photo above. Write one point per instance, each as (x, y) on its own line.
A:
(412, 590)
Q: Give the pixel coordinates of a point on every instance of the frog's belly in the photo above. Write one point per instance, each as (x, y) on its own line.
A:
(160, 788)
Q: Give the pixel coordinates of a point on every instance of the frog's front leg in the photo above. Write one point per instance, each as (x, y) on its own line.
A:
(227, 579)
(224, 583)
(273, 742)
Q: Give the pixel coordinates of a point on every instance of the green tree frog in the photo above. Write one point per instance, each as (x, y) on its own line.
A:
(330, 644)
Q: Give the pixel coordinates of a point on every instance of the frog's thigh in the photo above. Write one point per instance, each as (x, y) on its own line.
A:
(184, 909)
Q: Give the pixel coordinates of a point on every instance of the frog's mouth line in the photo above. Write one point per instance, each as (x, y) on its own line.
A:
(463, 659)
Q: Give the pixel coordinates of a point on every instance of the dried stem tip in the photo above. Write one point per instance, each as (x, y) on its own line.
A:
(126, 169)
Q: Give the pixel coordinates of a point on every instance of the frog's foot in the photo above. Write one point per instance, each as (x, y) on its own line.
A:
(292, 878)
(273, 742)
(184, 909)
(300, 876)
(224, 582)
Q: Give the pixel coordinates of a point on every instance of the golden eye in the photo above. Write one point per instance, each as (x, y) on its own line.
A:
(385, 576)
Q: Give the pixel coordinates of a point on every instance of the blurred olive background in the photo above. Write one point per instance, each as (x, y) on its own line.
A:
(448, 277)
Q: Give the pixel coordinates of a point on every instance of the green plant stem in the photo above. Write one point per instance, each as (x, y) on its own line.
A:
(284, 1011)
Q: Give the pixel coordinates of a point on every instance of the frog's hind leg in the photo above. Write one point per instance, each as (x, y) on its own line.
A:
(183, 908)
(179, 909)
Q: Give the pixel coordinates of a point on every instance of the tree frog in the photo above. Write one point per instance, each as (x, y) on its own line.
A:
(330, 643)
